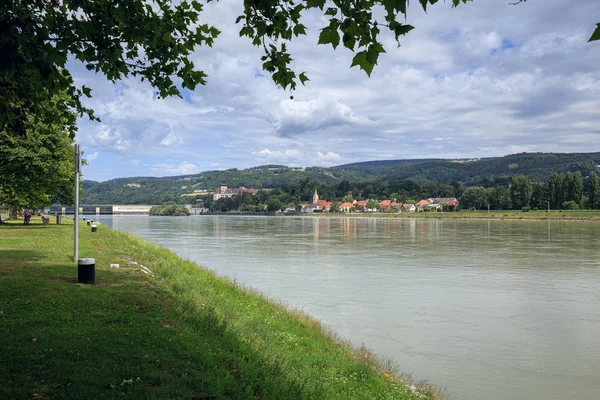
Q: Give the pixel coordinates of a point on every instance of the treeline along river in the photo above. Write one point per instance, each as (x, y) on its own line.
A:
(488, 309)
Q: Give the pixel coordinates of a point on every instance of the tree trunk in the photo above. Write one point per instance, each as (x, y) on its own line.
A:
(12, 212)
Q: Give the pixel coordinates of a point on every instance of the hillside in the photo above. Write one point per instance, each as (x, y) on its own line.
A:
(148, 190)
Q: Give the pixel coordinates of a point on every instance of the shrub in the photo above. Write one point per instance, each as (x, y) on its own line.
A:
(570, 205)
(526, 209)
(171, 210)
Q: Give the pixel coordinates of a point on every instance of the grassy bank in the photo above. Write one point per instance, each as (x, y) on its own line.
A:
(180, 332)
(558, 215)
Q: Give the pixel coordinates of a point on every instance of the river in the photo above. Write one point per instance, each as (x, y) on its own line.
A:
(492, 310)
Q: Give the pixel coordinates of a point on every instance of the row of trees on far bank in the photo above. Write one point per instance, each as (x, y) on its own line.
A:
(561, 191)
(568, 191)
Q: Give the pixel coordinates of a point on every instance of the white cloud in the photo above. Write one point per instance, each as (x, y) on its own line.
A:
(92, 156)
(288, 155)
(294, 117)
(183, 168)
(171, 139)
(329, 156)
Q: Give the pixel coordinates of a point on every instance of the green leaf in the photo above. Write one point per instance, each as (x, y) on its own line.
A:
(299, 30)
(394, 6)
(331, 11)
(303, 78)
(373, 53)
(424, 4)
(197, 6)
(596, 34)
(349, 41)
(86, 91)
(315, 3)
(402, 30)
(329, 34)
(361, 60)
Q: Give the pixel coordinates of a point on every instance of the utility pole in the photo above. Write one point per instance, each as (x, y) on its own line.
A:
(548, 206)
(76, 214)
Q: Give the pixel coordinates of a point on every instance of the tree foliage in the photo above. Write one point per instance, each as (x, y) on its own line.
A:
(520, 191)
(474, 198)
(36, 169)
(170, 210)
(593, 191)
(153, 40)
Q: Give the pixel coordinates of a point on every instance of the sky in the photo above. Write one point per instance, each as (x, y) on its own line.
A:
(485, 79)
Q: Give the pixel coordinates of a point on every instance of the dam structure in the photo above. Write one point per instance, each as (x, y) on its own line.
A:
(92, 209)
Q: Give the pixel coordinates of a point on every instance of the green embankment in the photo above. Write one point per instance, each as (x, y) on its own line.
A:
(179, 333)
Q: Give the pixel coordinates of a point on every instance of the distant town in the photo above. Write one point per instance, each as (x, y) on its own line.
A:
(386, 206)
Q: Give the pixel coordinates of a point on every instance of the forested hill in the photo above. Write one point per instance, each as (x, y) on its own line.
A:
(538, 166)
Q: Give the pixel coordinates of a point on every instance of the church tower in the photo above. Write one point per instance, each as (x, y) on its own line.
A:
(315, 197)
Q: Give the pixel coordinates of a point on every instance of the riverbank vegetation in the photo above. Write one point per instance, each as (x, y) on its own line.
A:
(171, 209)
(176, 332)
(426, 173)
(577, 188)
(553, 215)
(570, 191)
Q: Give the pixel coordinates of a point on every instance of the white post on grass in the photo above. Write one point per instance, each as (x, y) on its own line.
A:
(76, 219)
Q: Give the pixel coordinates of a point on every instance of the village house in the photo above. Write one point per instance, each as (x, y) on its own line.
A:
(432, 207)
(449, 203)
(224, 191)
(383, 205)
(421, 204)
(346, 207)
(360, 205)
(452, 205)
(409, 208)
(317, 205)
(323, 205)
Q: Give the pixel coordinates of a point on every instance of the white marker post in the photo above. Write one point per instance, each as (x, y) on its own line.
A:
(76, 219)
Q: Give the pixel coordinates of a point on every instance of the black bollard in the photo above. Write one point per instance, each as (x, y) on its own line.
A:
(94, 228)
(86, 271)
(58, 219)
(88, 222)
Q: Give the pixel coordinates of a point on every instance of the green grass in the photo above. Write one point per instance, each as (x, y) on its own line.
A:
(180, 333)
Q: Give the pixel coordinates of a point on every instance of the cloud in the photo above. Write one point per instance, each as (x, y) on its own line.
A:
(487, 77)
(92, 156)
(329, 156)
(171, 139)
(293, 117)
(288, 155)
(183, 168)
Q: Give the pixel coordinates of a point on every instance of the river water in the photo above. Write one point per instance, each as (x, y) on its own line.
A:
(493, 310)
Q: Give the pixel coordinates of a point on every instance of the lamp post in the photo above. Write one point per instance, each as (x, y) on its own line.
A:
(76, 213)
(547, 202)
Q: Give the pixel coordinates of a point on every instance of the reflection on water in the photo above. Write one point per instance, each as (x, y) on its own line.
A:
(489, 309)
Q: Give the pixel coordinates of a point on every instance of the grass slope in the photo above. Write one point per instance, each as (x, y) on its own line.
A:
(179, 333)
